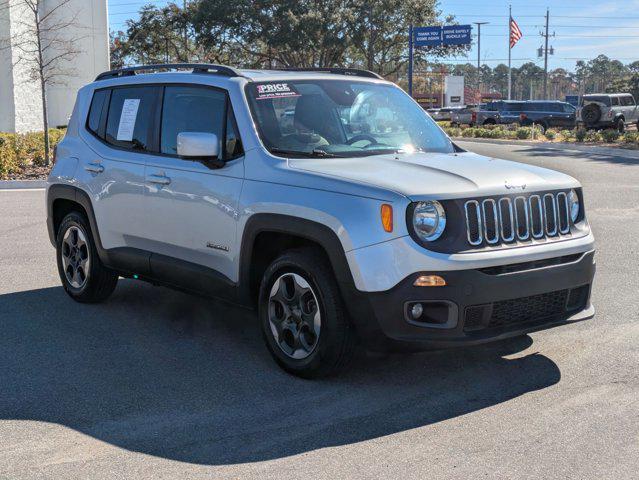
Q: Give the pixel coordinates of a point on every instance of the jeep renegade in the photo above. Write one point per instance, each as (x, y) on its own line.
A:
(327, 200)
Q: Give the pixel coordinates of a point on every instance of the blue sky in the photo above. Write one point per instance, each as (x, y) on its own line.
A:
(584, 28)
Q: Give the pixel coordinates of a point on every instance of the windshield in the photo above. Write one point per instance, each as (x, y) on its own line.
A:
(341, 118)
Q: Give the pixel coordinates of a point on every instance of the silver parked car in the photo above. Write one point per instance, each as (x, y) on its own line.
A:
(465, 115)
(328, 201)
(606, 110)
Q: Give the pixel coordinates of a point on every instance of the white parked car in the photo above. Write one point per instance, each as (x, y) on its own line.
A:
(279, 190)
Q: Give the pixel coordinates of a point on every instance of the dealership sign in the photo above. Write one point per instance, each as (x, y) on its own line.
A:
(438, 36)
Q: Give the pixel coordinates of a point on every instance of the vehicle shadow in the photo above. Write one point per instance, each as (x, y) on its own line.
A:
(179, 377)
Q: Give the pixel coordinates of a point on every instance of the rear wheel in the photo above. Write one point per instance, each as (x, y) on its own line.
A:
(83, 276)
(302, 315)
(621, 125)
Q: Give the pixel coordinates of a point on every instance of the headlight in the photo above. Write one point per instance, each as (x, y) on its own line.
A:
(573, 205)
(429, 220)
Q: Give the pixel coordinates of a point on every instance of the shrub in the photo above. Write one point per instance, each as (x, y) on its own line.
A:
(523, 133)
(610, 136)
(20, 150)
(593, 136)
(630, 137)
(567, 135)
(453, 131)
(580, 134)
(469, 132)
(550, 134)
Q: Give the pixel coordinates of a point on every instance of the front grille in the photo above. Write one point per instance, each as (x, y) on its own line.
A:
(535, 308)
(494, 221)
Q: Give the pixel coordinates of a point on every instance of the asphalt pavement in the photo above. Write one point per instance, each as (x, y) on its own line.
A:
(159, 384)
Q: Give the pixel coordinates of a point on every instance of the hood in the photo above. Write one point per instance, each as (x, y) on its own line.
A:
(421, 176)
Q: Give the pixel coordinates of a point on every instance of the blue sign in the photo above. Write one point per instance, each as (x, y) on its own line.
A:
(428, 36)
(457, 34)
(438, 36)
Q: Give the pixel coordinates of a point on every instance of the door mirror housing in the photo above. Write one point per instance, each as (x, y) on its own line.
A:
(200, 146)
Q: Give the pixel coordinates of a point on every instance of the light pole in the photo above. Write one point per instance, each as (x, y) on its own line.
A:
(479, 24)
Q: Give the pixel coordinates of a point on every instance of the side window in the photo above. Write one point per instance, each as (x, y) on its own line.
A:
(628, 101)
(615, 101)
(131, 119)
(95, 111)
(191, 109)
(568, 108)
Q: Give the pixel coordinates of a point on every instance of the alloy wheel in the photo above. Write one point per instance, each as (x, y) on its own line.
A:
(75, 255)
(294, 316)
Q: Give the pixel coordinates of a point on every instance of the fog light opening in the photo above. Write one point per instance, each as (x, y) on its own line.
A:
(429, 281)
(416, 311)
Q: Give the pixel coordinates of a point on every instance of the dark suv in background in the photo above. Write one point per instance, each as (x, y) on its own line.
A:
(545, 114)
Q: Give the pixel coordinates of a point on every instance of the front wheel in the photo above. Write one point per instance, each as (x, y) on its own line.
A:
(83, 276)
(302, 315)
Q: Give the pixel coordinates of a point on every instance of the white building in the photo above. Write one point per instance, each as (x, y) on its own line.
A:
(20, 97)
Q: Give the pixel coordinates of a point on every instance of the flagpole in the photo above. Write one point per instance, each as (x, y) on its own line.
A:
(510, 19)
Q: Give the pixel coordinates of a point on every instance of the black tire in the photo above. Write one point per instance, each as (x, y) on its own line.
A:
(621, 125)
(591, 114)
(543, 126)
(335, 343)
(99, 281)
(490, 121)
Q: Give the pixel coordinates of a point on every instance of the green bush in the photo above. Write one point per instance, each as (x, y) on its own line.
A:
(610, 136)
(567, 135)
(580, 134)
(630, 138)
(523, 133)
(550, 134)
(20, 150)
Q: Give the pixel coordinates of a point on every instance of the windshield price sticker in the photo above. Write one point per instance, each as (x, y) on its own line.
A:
(275, 90)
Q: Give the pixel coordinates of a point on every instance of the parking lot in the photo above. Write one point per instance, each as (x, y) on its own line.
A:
(159, 384)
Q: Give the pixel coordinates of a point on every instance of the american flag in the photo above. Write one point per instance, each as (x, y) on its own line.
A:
(515, 33)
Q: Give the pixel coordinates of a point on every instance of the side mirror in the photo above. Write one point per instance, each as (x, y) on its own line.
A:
(201, 146)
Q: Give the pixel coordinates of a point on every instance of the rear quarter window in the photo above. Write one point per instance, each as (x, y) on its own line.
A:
(98, 104)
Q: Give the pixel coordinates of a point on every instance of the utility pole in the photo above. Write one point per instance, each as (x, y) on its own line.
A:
(546, 35)
(479, 24)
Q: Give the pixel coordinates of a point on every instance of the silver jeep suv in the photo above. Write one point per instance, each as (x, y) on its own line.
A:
(328, 200)
(605, 110)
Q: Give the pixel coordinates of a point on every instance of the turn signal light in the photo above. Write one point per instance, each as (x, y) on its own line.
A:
(430, 281)
(387, 217)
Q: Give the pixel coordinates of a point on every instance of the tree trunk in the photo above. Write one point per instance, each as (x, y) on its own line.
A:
(43, 91)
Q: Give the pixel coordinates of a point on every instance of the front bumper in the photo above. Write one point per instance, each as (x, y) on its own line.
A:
(477, 306)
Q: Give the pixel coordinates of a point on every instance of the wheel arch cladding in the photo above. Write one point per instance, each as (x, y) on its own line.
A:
(268, 235)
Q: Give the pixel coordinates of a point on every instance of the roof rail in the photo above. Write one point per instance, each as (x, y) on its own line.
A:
(196, 67)
(355, 72)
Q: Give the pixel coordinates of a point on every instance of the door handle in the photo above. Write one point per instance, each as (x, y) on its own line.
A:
(94, 168)
(158, 179)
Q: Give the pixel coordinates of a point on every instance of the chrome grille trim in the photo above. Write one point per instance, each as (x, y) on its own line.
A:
(518, 220)
(500, 220)
(532, 200)
(564, 220)
(550, 232)
(477, 214)
(493, 216)
(509, 204)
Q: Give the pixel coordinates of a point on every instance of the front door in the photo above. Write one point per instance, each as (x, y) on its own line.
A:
(191, 205)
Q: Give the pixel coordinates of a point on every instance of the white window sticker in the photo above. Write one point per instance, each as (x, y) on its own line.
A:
(127, 119)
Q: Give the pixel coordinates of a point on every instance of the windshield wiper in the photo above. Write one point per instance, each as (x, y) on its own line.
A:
(315, 153)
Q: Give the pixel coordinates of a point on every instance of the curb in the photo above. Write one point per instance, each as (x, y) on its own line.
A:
(22, 184)
(594, 149)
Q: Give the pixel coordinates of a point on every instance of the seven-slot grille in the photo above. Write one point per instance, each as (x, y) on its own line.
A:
(509, 219)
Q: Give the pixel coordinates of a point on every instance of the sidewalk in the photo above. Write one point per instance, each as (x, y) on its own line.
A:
(22, 184)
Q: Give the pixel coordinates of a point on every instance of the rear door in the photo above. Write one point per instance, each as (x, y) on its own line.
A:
(120, 126)
(630, 108)
(192, 207)
(568, 115)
